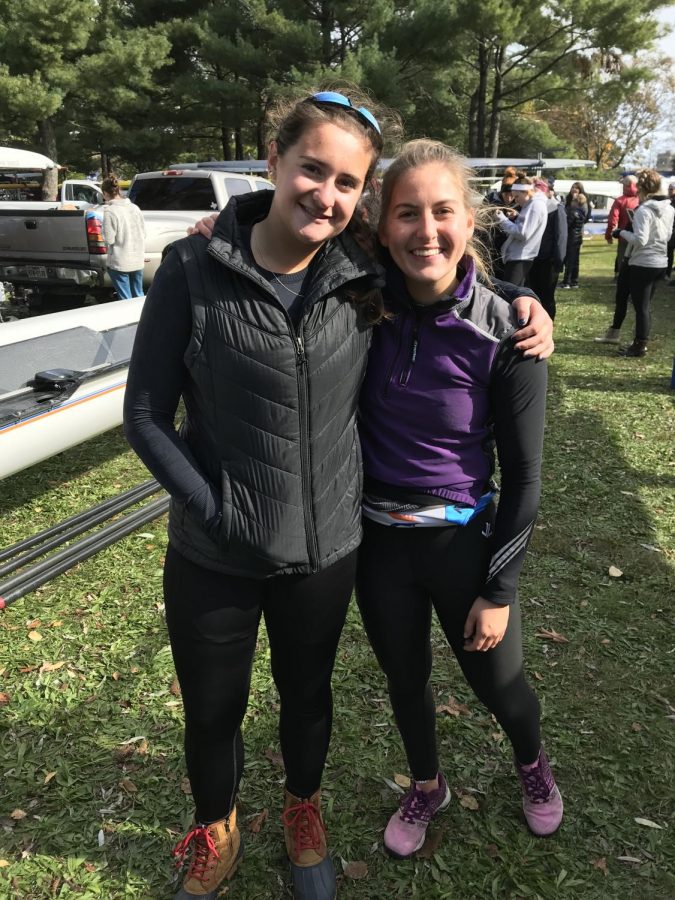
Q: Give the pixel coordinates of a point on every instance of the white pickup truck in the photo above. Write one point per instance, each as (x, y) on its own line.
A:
(59, 253)
(176, 198)
(73, 193)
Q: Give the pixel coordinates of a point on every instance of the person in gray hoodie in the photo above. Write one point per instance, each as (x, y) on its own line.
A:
(648, 249)
(124, 234)
(549, 261)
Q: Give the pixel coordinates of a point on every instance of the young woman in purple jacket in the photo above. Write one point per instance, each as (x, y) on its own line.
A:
(443, 389)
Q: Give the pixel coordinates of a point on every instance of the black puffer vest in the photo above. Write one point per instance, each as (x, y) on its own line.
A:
(270, 409)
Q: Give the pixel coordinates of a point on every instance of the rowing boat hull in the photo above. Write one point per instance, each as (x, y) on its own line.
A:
(94, 407)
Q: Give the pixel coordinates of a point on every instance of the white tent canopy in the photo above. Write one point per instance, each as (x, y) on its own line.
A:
(11, 158)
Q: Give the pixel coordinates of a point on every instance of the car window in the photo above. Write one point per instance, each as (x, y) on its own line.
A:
(235, 186)
(261, 185)
(173, 193)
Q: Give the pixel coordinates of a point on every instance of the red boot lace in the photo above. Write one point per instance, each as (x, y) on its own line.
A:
(307, 826)
(203, 847)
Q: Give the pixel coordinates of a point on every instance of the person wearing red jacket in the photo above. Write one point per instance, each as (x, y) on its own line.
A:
(620, 216)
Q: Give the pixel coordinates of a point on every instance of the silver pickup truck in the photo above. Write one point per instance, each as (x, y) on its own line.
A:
(59, 253)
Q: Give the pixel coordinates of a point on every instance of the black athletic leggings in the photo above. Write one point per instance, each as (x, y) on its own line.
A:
(213, 626)
(402, 573)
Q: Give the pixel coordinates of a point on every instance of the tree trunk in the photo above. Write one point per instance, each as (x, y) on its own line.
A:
(477, 106)
(50, 179)
(105, 164)
(238, 143)
(260, 139)
(326, 22)
(496, 111)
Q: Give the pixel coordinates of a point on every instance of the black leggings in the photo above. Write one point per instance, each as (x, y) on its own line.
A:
(642, 281)
(515, 272)
(213, 626)
(402, 573)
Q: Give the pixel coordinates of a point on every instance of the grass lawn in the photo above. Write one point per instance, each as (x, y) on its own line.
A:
(92, 785)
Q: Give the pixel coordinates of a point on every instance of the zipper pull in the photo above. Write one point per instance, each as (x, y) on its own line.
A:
(300, 350)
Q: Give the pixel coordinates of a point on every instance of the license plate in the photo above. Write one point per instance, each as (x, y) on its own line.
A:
(36, 271)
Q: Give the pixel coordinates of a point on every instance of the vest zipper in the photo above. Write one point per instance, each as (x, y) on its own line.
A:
(305, 454)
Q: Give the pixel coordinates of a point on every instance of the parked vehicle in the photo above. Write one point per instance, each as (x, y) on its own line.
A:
(78, 193)
(60, 253)
(176, 198)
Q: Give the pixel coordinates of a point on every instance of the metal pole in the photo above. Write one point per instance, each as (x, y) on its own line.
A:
(141, 491)
(85, 521)
(58, 563)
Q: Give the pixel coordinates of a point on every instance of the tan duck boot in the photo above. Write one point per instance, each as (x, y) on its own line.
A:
(305, 836)
(216, 851)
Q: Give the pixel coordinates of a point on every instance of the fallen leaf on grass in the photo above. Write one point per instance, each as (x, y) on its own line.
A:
(17, 815)
(549, 634)
(3, 863)
(492, 850)
(468, 801)
(185, 785)
(48, 777)
(402, 781)
(356, 870)
(392, 784)
(613, 572)
(175, 688)
(538, 676)
(4, 698)
(274, 757)
(34, 636)
(648, 823)
(629, 859)
(258, 821)
(432, 842)
(34, 623)
(51, 667)
(453, 708)
(601, 864)
(652, 548)
(127, 785)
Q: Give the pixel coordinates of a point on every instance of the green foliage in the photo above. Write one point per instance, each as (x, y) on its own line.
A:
(140, 82)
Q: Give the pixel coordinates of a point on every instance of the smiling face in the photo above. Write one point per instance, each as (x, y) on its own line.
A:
(426, 227)
(319, 181)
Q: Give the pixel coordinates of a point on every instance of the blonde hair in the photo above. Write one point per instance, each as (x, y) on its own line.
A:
(423, 152)
(579, 200)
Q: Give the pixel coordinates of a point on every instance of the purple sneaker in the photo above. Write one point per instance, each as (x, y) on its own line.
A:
(407, 828)
(542, 803)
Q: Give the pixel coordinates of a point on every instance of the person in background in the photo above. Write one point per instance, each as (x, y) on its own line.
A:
(620, 215)
(524, 233)
(671, 242)
(124, 234)
(576, 189)
(647, 260)
(549, 261)
(576, 220)
(443, 388)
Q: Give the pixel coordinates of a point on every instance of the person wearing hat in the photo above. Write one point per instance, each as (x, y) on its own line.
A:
(525, 232)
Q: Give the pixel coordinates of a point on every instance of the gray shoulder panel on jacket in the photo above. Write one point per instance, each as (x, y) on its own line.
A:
(488, 314)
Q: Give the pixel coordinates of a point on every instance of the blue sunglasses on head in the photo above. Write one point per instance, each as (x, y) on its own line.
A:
(340, 100)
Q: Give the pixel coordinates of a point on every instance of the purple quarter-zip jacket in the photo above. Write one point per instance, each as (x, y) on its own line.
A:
(443, 388)
(425, 406)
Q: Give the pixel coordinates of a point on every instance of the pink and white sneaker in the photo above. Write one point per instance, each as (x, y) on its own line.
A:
(542, 803)
(407, 828)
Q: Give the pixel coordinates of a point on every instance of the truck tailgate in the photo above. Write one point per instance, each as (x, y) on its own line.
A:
(52, 236)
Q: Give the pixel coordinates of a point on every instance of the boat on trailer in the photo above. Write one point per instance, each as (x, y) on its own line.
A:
(62, 379)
